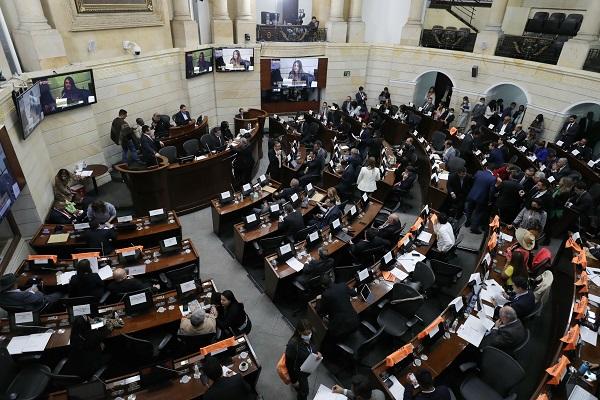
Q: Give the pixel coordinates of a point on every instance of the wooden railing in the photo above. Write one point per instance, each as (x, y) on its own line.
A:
(290, 33)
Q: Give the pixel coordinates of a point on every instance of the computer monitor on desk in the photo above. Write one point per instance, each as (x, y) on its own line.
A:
(262, 180)
(225, 198)
(138, 302)
(364, 200)
(352, 213)
(310, 190)
(93, 390)
(251, 221)
(246, 189)
(274, 210)
(285, 252)
(170, 245)
(38, 264)
(129, 256)
(157, 215)
(77, 306)
(335, 225)
(20, 321)
(313, 239)
(364, 277)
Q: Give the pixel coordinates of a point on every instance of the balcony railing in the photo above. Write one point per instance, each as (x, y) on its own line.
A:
(592, 62)
(290, 33)
(450, 39)
(531, 48)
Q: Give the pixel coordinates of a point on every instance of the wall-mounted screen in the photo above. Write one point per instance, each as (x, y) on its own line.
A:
(62, 92)
(198, 62)
(294, 72)
(29, 109)
(9, 188)
(234, 59)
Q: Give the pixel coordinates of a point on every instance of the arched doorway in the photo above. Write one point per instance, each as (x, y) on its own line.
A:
(509, 93)
(588, 118)
(441, 82)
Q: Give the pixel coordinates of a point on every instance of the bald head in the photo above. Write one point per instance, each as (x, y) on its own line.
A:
(507, 315)
(393, 218)
(294, 183)
(119, 274)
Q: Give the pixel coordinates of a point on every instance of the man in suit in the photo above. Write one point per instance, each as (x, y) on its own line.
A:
(479, 198)
(276, 158)
(569, 131)
(527, 179)
(320, 152)
(428, 106)
(508, 332)
(23, 300)
(361, 98)
(161, 125)
(560, 169)
(459, 184)
(316, 267)
(122, 283)
(347, 105)
(346, 186)
(466, 144)
(582, 202)
(523, 300)
(519, 135)
(115, 128)
(150, 146)
(285, 194)
(495, 156)
(225, 387)
(292, 223)
(541, 194)
(509, 194)
(389, 229)
(449, 152)
(183, 116)
(335, 303)
(581, 150)
(505, 127)
(406, 182)
(99, 238)
(369, 243)
(215, 139)
(332, 213)
(312, 171)
(365, 139)
(478, 111)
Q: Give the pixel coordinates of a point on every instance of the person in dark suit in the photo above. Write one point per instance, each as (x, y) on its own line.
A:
(244, 162)
(478, 198)
(458, 186)
(316, 267)
(86, 282)
(523, 300)
(507, 333)
(560, 169)
(389, 229)
(232, 316)
(115, 127)
(361, 98)
(335, 303)
(160, 125)
(496, 156)
(331, 212)
(122, 283)
(370, 242)
(519, 135)
(150, 146)
(292, 222)
(297, 350)
(225, 387)
(568, 132)
(428, 106)
(406, 182)
(286, 193)
(312, 170)
(365, 139)
(509, 194)
(86, 354)
(581, 150)
(276, 158)
(23, 300)
(426, 389)
(183, 116)
(225, 131)
(527, 179)
(215, 139)
(581, 201)
(346, 105)
(346, 186)
(99, 238)
(541, 195)
(60, 215)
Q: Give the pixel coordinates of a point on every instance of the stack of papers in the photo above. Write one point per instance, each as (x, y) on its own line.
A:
(295, 264)
(424, 237)
(588, 335)
(58, 238)
(84, 173)
(397, 390)
(473, 330)
(311, 363)
(399, 274)
(444, 175)
(105, 272)
(493, 291)
(409, 260)
(324, 393)
(31, 343)
(65, 277)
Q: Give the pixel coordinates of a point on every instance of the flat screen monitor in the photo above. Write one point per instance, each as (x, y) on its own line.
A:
(229, 59)
(157, 215)
(9, 188)
(198, 62)
(225, 198)
(294, 72)
(138, 302)
(157, 374)
(170, 245)
(285, 252)
(23, 320)
(275, 210)
(29, 109)
(313, 238)
(251, 221)
(62, 92)
(364, 276)
(77, 306)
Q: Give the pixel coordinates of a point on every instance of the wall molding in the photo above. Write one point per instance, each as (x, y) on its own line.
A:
(106, 20)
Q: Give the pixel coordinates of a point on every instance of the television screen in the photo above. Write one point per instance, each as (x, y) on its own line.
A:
(29, 109)
(9, 188)
(65, 91)
(294, 72)
(198, 62)
(238, 59)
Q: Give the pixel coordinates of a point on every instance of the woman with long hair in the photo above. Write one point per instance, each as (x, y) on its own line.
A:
(514, 267)
(232, 316)
(430, 93)
(299, 347)
(537, 126)
(368, 177)
(333, 195)
(72, 93)
(465, 113)
(297, 72)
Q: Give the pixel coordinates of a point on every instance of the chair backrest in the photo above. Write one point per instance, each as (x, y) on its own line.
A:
(410, 299)
(8, 369)
(368, 257)
(204, 139)
(302, 233)
(534, 313)
(437, 140)
(455, 163)
(571, 25)
(499, 370)
(170, 152)
(520, 347)
(344, 273)
(142, 350)
(445, 273)
(424, 275)
(272, 243)
(191, 146)
(365, 346)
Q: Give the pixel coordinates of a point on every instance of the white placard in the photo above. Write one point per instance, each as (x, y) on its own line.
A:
(363, 274)
(23, 317)
(136, 299)
(40, 261)
(187, 286)
(136, 270)
(551, 179)
(246, 187)
(295, 264)
(170, 242)
(82, 226)
(309, 187)
(274, 207)
(250, 218)
(82, 309)
(457, 303)
(336, 223)
(105, 273)
(591, 163)
(313, 236)
(387, 257)
(225, 195)
(491, 126)
(16, 190)
(286, 248)
(352, 210)
(575, 152)
(156, 212)
(560, 143)
(294, 197)
(126, 218)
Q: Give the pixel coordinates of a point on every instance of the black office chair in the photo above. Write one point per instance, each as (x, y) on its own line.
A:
(62, 381)
(302, 233)
(437, 140)
(571, 25)
(369, 257)
(344, 273)
(534, 314)
(552, 26)
(191, 147)
(204, 141)
(193, 343)
(519, 350)
(497, 375)
(422, 278)
(455, 164)
(269, 245)
(170, 152)
(27, 382)
(145, 351)
(356, 345)
(445, 274)
(451, 253)
(308, 290)
(399, 314)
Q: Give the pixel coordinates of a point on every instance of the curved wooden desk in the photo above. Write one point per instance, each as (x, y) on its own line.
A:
(252, 116)
(180, 134)
(185, 187)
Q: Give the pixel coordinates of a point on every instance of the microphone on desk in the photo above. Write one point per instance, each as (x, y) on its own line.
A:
(35, 326)
(166, 369)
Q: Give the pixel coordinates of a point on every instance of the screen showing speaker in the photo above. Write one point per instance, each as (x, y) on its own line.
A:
(29, 109)
(198, 62)
(294, 72)
(234, 59)
(62, 92)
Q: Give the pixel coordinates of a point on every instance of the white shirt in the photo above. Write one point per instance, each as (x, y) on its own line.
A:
(445, 236)
(367, 179)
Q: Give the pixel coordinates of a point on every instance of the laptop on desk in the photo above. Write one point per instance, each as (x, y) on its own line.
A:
(343, 236)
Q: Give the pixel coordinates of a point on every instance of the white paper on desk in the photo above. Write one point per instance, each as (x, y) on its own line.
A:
(457, 303)
(595, 280)
(444, 176)
(505, 237)
(105, 273)
(295, 264)
(399, 274)
(476, 276)
(408, 261)
(311, 363)
(31, 343)
(592, 271)
(424, 237)
(65, 277)
(85, 173)
(17, 344)
(473, 330)
(397, 390)
(593, 298)
(227, 371)
(580, 393)
(324, 393)
(588, 335)
(488, 310)
(136, 270)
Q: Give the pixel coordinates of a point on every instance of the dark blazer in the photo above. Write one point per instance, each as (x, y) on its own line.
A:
(505, 338)
(345, 106)
(115, 129)
(215, 143)
(460, 189)
(565, 171)
(363, 246)
(180, 120)
(230, 387)
(427, 107)
(527, 183)
(86, 285)
(508, 194)
(509, 128)
(331, 214)
(496, 157)
(287, 192)
(126, 286)
(360, 99)
(274, 169)
(317, 267)
(583, 204)
(335, 302)
(569, 133)
(406, 184)
(100, 239)
(161, 128)
(23, 300)
(389, 232)
(524, 304)
(313, 167)
(232, 318)
(466, 145)
(291, 224)
(483, 183)
(149, 149)
(585, 152)
(296, 352)
(85, 356)
(544, 200)
(519, 137)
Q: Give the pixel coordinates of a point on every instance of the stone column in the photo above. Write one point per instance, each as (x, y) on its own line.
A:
(487, 39)
(356, 26)
(575, 50)
(183, 29)
(245, 23)
(411, 32)
(337, 28)
(222, 28)
(38, 45)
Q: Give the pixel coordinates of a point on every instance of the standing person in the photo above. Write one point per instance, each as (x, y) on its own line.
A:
(361, 98)
(368, 177)
(509, 197)
(221, 387)
(276, 158)
(384, 96)
(86, 348)
(537, 126)
(465, 112)
(459, 184)
(430, 95)
(129, 144)
(150, 146)
(115, 128)
(478, 111)
(569, 131)
(232, 316)
(244, 162)
(297, 351)
(478, 198)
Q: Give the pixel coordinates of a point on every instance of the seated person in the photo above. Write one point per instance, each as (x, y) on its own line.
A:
(292, 222)
(495, 156)
(99, 238)
(62, 187)
(86, 349)
(312, 172)
(514, 268)
(369, 243)
(101, 212)
(388, 230)
(584, 151)
(508, 332)
(198, 323)
(122, 283)
(222, 387)
(560, 168)
(329, 212)
(427, 391)
(531, 217)
(361, 389)
(444, 234)
(23, 300)
(335, 303)
(215, 140)
(316, 267)
(86, 282)
(225, 131)
(522, 300)
(348, 180)
(286, 193)
(406, 182)
(64, 213)
(183, 116)
(160, 125)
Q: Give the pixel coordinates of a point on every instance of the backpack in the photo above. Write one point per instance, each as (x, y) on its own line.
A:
(541, 261)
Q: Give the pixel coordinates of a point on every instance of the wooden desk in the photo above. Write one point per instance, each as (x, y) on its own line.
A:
(252, 116)
(178, 135)
(588, 174)
(394, 131)
(185, 187)
(123, 386)
(153, 266)
(276, 272)
(325, 135)
(97, 171)
(222, 216)
(242, 239)
(151, 319)
(146, 234)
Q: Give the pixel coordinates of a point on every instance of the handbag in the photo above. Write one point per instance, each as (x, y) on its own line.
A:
(282, 370)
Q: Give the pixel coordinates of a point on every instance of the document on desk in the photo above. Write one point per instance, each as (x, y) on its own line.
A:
(84, 173)
(318, 197)
(65, 277)
(594, 299)
(311, 363)
(295, 264)
(505, 237)
(410, 260)
(580, 393)
(58, 238)
(324, 393)
(444, 176)
(457, 303)
(396, 390)
(31, 343)
(424, 237)
(105, 272)
(269, 189)
(399, 274)
(473, 330)
(588, 335)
